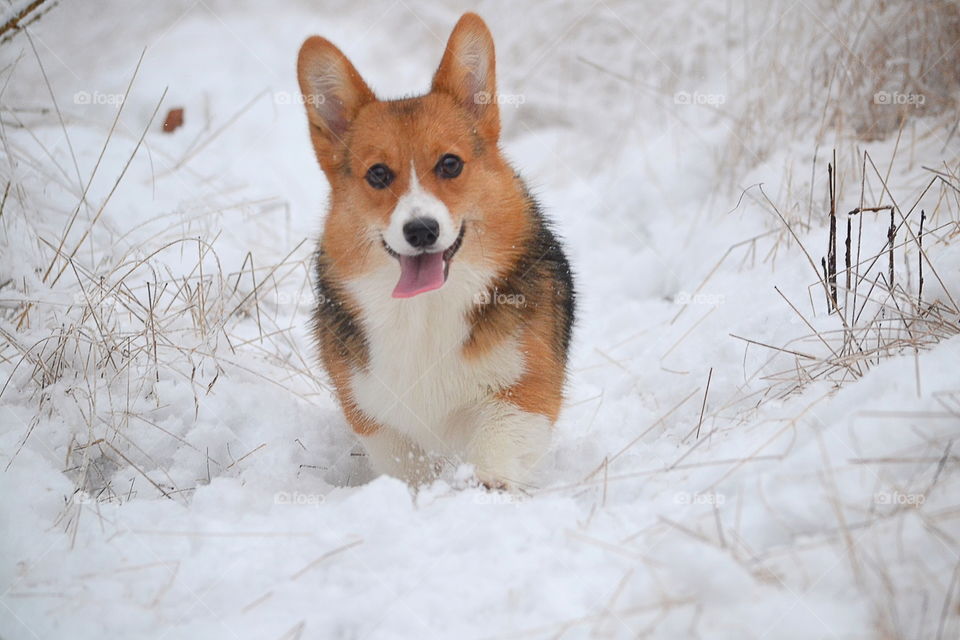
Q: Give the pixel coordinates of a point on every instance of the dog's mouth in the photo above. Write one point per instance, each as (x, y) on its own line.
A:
(425, 271)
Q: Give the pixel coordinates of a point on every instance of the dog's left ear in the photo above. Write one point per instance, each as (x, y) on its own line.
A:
(467, 72)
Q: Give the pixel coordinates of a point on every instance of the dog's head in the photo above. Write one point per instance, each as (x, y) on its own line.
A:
(417, 181)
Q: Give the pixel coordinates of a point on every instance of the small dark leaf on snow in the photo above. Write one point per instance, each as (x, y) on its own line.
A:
(174, 120)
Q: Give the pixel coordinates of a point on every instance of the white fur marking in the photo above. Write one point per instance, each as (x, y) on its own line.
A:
(426, 395)
(415, 203)
(417, 374)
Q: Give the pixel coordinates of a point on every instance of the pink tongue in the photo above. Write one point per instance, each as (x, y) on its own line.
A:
(419, 274)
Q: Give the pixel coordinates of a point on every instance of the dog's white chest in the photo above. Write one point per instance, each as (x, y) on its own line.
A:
(417, 378)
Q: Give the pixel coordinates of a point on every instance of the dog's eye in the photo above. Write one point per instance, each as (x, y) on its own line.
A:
(449, 166)
(379, 176)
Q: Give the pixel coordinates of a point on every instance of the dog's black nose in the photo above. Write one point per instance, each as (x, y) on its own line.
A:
(421, 232)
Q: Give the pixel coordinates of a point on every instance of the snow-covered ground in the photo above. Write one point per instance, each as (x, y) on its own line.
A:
(733, 461)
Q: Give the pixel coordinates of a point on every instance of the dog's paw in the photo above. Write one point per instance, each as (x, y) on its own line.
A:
(492, 483)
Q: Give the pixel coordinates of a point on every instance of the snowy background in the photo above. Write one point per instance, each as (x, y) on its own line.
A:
(734, 460)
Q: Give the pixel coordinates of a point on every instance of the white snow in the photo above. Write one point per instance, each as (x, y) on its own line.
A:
(174, 466)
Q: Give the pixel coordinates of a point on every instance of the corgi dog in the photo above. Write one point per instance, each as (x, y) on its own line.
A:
(445, 301)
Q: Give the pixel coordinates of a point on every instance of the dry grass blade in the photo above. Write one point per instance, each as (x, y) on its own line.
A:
(96, 166)
(877, 322)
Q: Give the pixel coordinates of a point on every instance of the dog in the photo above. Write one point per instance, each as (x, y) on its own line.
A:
(445, 300)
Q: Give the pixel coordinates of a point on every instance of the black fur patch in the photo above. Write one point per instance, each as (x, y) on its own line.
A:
(541, 277)
(335, 324)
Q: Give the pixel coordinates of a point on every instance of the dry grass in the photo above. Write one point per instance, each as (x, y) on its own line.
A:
(878, 290)
(879, 284)
(131, 327)
(877, 298)
(105, 336)
(101, 327)
(839, 70)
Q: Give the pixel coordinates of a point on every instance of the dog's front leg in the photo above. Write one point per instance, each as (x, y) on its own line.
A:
(392, 453)
(506, 444)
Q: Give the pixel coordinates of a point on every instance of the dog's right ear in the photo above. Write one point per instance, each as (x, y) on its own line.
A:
(467, 72)
(333, 93)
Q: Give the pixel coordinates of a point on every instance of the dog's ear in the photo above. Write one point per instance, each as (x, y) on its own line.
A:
(468, 73)
(333, 92)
